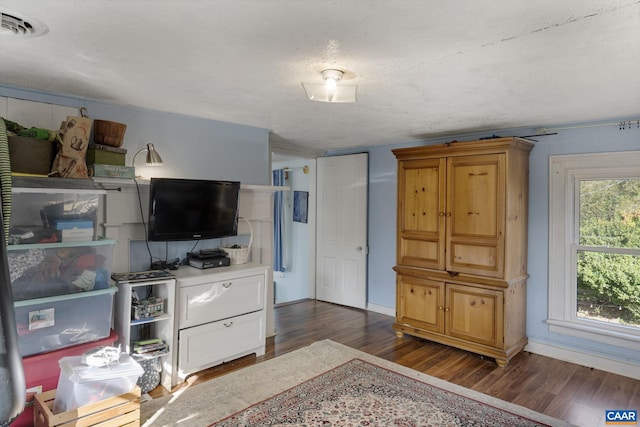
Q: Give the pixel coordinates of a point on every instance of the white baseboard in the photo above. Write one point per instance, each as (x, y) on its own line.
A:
(381, 309)
(591, 361)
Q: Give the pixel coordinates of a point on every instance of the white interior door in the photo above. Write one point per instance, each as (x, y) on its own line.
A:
(341, 265)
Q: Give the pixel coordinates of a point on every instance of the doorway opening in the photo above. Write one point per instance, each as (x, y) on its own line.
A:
(294, 274)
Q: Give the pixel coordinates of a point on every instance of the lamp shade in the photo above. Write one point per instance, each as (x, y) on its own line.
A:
(153, 158)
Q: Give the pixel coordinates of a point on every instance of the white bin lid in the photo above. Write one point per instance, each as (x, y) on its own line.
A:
(78, 372)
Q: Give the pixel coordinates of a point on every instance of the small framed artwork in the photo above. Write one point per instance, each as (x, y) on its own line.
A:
(300, 206)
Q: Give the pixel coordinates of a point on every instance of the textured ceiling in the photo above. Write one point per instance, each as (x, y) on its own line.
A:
(423, 68)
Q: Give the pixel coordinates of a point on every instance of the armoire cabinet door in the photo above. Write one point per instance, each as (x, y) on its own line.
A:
(421, 303)
(475, 314)
(476, 214)
(421, 230)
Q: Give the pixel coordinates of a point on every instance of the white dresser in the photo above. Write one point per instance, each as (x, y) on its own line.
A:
(221, 315)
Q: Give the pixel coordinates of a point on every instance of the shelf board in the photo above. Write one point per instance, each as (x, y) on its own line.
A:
(50, 184)
(100, 242)
(150, 319)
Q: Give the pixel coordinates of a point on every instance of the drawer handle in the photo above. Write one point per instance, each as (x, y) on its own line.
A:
(227, 285)
(228, 324)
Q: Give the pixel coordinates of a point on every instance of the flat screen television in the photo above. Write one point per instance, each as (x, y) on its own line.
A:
(192, 209)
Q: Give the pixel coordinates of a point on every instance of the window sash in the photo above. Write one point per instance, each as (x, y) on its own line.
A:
(606, 249)
(566, 171)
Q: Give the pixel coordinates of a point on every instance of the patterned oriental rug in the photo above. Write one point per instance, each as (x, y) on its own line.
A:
(328, 384)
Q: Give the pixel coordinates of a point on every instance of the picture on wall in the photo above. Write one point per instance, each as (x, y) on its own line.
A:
(300, 206)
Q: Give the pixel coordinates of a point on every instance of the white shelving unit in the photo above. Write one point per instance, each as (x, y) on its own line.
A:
(160, 326)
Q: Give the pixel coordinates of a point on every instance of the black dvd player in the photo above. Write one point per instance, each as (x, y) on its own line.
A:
(222, 261)
(207, 254)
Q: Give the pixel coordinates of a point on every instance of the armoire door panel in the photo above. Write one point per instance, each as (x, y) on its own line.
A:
(422, 200)
(473, 196)
(475, 314)
(420, 253)
(421, 205)
(470, 257)
(421, 303)
(476, 209)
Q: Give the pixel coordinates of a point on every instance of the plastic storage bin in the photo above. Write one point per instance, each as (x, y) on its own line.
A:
(51, 323)
(81, 385)
(44, 270)
(36, 212)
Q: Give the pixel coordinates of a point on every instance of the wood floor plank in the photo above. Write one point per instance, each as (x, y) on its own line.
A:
(563, 390)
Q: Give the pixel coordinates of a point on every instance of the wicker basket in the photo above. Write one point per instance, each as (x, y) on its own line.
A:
(108, 133)
(240, 255)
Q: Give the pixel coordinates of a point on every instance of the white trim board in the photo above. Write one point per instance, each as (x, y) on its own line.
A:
(381, 309)
(591, 361)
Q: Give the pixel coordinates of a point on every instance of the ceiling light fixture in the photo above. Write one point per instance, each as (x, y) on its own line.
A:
(331, 90)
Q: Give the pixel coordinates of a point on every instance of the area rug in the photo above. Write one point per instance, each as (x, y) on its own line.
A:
(329, 384)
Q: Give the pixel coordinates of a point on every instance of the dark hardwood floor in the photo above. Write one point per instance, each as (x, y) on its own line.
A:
(563, 390)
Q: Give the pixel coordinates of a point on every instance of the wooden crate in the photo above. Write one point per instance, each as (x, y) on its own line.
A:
(121, 410)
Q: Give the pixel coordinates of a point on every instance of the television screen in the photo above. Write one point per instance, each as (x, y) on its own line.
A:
(192, 209)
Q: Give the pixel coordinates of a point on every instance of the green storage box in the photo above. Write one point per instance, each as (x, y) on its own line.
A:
(105, 155)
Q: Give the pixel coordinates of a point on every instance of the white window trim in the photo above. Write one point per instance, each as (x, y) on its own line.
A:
(565, 172)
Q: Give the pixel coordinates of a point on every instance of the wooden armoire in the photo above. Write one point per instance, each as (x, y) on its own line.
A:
(461, 258)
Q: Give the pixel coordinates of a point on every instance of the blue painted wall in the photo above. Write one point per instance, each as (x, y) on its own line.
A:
(583, 138)
(190, 147)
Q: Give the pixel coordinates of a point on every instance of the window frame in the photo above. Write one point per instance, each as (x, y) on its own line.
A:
(565, 173)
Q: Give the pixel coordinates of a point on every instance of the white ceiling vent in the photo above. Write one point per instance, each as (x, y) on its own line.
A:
(13, 23)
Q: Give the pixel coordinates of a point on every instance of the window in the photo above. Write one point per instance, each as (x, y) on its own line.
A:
(594, 247)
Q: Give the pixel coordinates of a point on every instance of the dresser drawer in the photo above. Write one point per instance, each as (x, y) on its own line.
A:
(208, 345)
(209, 302)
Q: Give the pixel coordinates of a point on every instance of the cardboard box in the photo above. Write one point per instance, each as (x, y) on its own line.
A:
(64, 224)
(75, 230)
(76, 235)
(30, 155)
(111, 171)
(121, 410)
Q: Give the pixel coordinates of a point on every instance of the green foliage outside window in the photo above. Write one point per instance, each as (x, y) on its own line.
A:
(609, 283)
